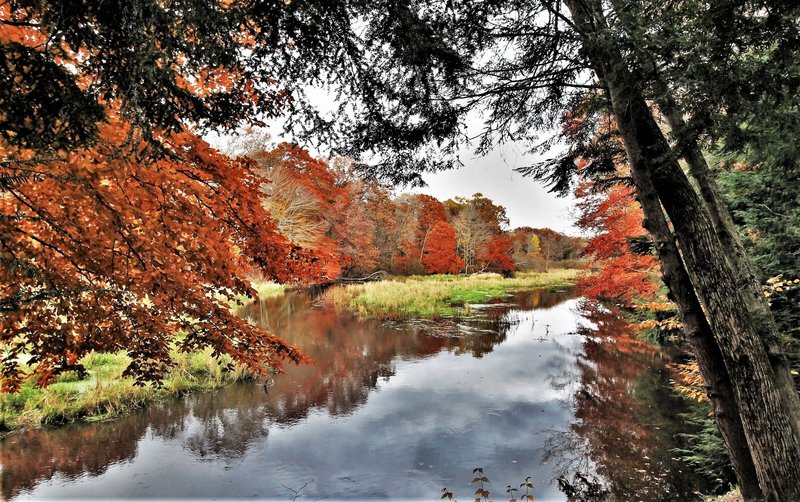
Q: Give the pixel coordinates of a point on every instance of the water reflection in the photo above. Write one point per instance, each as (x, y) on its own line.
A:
(32, 457)
(350, 355)
(533, 386)
(229, 420)
(626, 419)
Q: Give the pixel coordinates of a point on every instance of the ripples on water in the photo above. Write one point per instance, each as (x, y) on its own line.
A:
(545, 386)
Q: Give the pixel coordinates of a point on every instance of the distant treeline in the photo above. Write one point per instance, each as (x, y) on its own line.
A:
(355, 227)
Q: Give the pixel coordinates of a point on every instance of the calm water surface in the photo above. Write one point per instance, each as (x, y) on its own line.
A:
(544, 385)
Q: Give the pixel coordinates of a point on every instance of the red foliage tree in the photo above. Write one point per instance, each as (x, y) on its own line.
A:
(498, 255)
(431, 212)
(133, 250)
(614, 217)
(440, 255)
(353, 231)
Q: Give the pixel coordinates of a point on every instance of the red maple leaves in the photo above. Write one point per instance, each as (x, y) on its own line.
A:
(110, 247)
(614, 218)
(440, 250)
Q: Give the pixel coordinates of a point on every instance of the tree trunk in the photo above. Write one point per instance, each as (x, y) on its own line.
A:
(424, 242)
(767, 408)
(746, 275)
(688, 147)
(701, 339)
(765, 404)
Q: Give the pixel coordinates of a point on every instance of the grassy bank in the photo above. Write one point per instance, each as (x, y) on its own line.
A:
(105, 393)
(264, 289)
(437, 295)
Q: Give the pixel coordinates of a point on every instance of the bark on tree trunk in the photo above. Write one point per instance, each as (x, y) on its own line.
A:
(688, 147)
(767, 408)
(701, 339)
(765, 405)
(746, 275)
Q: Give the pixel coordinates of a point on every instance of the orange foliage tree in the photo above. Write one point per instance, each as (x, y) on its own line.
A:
(119, 228)
(402, 235)
(353, 229)
(319, 205)
(498, 255)
(305, 201)
(615, 219)
(108, 248)
(431, 212)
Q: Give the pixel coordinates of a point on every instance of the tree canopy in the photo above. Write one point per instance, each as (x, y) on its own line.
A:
(132, 251)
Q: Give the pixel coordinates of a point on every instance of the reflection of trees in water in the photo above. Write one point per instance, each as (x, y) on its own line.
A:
(542, 298)
(350, 357)
(222, 425)
(229, 421)
(30, 457)
(626, 419)
(622, 435)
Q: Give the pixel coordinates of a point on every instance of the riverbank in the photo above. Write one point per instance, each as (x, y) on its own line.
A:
(104, 393)
(382, 374)
(264, 290)
(436, 296)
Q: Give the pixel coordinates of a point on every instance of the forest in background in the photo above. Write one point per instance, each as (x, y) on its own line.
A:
(354, 227)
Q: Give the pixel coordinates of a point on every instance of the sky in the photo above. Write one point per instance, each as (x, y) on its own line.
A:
(527, 201)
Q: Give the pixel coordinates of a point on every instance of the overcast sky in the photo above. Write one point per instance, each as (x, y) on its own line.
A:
(527, 202)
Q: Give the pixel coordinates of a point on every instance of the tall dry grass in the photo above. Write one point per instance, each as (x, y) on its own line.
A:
(436, 295)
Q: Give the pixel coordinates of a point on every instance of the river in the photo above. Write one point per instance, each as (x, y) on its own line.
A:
(544, 385)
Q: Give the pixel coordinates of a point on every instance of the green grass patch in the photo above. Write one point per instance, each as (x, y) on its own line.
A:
(104, 393)
(437, 295)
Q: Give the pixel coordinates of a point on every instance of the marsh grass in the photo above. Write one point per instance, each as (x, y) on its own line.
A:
(264, 289)
(105, 393)
(436, 296)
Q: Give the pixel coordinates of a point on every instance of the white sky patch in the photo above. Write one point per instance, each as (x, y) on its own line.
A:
(527, 201)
